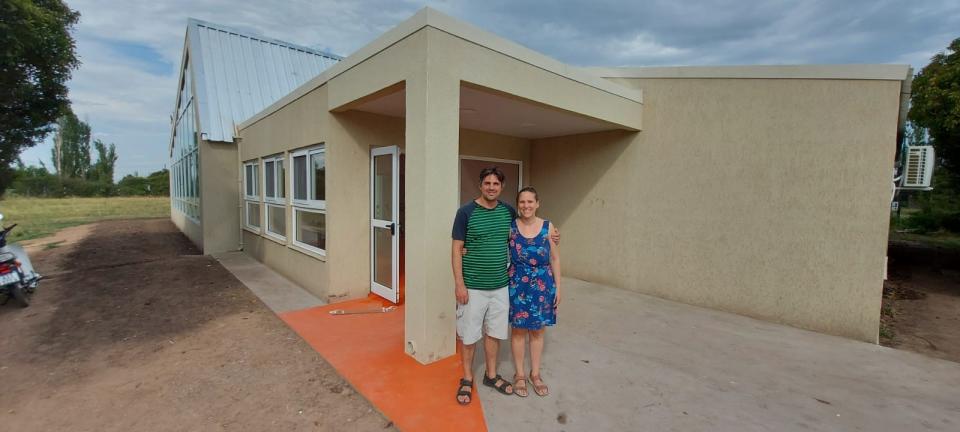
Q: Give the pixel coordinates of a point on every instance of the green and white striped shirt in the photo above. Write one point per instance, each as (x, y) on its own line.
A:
(485, 233)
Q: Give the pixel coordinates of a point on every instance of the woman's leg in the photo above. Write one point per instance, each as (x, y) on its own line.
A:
(517, 342)
(536, 350)
(518, 345)
(536, 353)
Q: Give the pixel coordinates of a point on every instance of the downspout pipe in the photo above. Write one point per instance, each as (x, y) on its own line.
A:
(240, 192)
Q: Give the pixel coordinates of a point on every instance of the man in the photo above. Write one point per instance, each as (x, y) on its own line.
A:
(479, 257)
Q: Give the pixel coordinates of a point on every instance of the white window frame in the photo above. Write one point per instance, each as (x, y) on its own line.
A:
(246, 216)
(307, 203)
(277, 184)
(297, 243)
(255, 198)
(266, 221)
(256, 180)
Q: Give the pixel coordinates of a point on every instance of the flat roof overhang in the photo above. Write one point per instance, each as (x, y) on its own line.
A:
(562, 101)
(488, 110)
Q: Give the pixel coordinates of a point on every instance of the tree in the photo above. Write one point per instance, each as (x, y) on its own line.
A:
(37, 56)
(71, 152)
(102, 170)
(159, 182)
(935, 106)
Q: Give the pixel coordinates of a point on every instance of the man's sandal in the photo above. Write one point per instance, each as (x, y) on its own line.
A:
(540, 389)
(520, 386)
(468, 392)
(498, 383)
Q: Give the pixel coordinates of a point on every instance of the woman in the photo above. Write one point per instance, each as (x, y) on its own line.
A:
(534, 288)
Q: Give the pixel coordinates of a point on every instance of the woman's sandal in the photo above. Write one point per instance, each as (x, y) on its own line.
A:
(520, 386)
(540, 389)
(498, 383)
(468, 392)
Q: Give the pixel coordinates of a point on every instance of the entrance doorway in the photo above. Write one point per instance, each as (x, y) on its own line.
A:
(385, 222)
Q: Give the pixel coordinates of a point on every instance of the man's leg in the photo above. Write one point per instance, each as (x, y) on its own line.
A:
(469, 329)
(466, 357)
(497, 329)
(491, 347)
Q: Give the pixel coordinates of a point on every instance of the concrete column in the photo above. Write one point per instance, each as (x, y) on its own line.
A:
(432, 137)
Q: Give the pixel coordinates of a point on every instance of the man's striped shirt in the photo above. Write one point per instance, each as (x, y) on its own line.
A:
(485, 233)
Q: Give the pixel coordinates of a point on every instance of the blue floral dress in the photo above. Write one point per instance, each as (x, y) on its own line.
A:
(532, 287)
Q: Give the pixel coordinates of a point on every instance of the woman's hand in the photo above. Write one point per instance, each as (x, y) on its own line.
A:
(556, 299)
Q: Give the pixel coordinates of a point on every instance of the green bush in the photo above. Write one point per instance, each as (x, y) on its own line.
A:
(939, 208)
(38, 182)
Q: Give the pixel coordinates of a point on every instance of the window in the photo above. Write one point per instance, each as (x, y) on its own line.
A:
(252, 214)
(308, 183)
(184, 157)
(310, 229)
(251, 195)
(274, 178)
(309, 177)
(251, 177)
(277, 221)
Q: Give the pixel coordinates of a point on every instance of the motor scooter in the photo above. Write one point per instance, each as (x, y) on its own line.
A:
(18, 280)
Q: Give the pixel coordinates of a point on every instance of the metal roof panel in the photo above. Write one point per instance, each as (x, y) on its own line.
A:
(238, 74)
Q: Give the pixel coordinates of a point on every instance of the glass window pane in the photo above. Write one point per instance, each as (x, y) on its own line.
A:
(269, 178)
(249, 176)
(281, 179)
(312, 229)
(300, 177)
(256, 180)
(383, 187)
(318, 165)
(253, 214)
(383, 257)
(276, 220)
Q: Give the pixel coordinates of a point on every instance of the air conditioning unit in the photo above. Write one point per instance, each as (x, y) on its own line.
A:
(918, 168)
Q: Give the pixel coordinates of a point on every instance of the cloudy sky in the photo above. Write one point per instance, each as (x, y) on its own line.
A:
(131, 49)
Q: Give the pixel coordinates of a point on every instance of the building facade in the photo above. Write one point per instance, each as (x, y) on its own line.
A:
(757, 190)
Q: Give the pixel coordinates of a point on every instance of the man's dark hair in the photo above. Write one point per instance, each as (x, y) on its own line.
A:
(492, 170)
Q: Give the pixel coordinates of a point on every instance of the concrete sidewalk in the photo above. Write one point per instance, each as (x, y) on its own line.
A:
(623, 361)
(274, 290)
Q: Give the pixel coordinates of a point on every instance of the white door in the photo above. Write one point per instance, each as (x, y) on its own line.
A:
(384, 222)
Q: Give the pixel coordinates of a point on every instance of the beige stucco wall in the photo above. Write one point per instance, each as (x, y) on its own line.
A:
(219, 202)
(348, 138)
(431, 65)
(302, 124)
(767, 198)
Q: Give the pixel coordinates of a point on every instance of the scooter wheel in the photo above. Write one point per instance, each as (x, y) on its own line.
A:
(21, 295)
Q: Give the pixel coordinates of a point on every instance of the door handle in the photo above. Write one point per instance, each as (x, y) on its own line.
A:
(393, 229)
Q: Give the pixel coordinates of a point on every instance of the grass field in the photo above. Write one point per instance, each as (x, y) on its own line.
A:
(39, 217)
(942, 240)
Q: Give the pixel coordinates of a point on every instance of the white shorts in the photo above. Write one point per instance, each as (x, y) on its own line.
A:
(486, 312)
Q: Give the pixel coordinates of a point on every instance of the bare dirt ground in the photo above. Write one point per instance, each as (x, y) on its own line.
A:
(922, 300)
(132, 331)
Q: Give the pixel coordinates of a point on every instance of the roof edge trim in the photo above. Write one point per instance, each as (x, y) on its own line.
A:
(429, 17)
(886, 72)
(198, 22)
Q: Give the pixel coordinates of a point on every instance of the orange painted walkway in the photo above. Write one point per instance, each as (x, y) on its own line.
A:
(367, 350)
